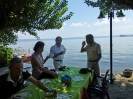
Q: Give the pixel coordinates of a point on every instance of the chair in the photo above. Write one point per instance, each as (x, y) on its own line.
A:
(99, 90)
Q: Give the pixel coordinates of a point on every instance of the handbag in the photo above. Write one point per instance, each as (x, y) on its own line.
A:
(84, 70)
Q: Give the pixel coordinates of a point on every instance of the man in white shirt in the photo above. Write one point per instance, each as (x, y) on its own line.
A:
(57, 52)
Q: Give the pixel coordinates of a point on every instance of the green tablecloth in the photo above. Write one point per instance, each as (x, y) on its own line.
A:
(74, 89)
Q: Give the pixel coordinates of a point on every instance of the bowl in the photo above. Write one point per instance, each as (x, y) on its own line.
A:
(127, 72)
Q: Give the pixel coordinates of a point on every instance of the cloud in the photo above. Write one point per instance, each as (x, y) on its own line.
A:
(78, 24)
(127, 29)
(88, 25)
(124, 28)
(125, 20)
(101, 22)
(116, 20)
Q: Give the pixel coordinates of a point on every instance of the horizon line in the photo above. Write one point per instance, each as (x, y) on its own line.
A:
(77, 37)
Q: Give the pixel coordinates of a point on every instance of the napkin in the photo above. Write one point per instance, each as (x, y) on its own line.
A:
(78, 78)
(48, 94)
(45, 81)
(63, 96)
(59, 72)
(20, 95)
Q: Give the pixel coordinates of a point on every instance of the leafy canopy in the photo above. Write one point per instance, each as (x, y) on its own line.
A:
(106, 5)
(29, 16)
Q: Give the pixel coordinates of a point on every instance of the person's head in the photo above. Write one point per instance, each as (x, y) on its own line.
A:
(39, 47)
(89, 39)
(58, 40)
(16, 66)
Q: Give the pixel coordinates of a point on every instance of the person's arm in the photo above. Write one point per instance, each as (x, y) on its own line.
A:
(53, 54)
(47, 57)
(40, 85)
(99, 54)
(43, 69)
(82, 48)
(64, 49)
(99, 57)
(60, 53)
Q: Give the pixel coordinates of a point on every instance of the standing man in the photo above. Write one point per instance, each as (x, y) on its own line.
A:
(57, 52)
(93, 50)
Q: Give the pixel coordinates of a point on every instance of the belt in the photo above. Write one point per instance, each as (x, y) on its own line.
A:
(57, 60)
(92, 60)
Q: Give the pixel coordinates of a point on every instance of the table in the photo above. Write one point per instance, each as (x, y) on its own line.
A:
(75, 90)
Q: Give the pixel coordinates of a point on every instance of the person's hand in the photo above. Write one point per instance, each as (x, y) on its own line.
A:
(62, 52)
(55, 75)
(93, 66)
(54, 93)
(15, 97)
(49, 56)
(83, 43)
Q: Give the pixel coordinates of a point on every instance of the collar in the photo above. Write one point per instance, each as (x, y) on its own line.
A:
(92, 44)
(57, 46)
(10, 79)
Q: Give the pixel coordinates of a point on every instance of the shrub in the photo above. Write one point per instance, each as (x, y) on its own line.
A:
(6, 54)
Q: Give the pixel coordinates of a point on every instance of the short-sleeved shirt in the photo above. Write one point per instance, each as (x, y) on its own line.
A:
(93, 51)
(8, 87)
(56, 49)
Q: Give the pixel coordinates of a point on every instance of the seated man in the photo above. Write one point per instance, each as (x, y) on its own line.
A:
(12, 82)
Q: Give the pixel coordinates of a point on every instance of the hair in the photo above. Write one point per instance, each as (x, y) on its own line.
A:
(15, 60)
(90, 36)
(38, 45)
(58, 38)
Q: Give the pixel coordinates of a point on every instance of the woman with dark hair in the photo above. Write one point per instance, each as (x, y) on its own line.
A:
(37, 61)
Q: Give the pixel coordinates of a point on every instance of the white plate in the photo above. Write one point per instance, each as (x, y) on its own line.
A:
(78, 78)
(20, 95)
(62, 96)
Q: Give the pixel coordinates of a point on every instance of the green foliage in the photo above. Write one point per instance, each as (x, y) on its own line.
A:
(5, 55)
(106, 5)
(29, 16)
(8, 38)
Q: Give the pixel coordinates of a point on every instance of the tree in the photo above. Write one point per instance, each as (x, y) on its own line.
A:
(29, 16)
(106, 5)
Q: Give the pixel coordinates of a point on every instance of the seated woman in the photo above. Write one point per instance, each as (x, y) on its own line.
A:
(37, 61)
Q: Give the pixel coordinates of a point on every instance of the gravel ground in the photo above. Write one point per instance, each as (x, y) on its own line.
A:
(122, 88)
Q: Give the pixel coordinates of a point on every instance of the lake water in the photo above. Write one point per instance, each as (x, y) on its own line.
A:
(122, 52)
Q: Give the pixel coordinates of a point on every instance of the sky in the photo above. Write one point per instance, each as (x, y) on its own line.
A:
(84, 21)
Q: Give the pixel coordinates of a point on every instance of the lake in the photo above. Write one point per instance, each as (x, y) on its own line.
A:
(122, 52)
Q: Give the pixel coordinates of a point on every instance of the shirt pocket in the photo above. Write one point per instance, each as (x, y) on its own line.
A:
(94, 51)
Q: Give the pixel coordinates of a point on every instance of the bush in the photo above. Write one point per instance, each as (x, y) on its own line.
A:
(5, 55)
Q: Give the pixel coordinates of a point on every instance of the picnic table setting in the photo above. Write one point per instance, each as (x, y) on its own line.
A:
(69, 85)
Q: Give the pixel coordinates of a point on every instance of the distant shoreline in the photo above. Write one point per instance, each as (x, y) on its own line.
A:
(126, 35)
(79, 37)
